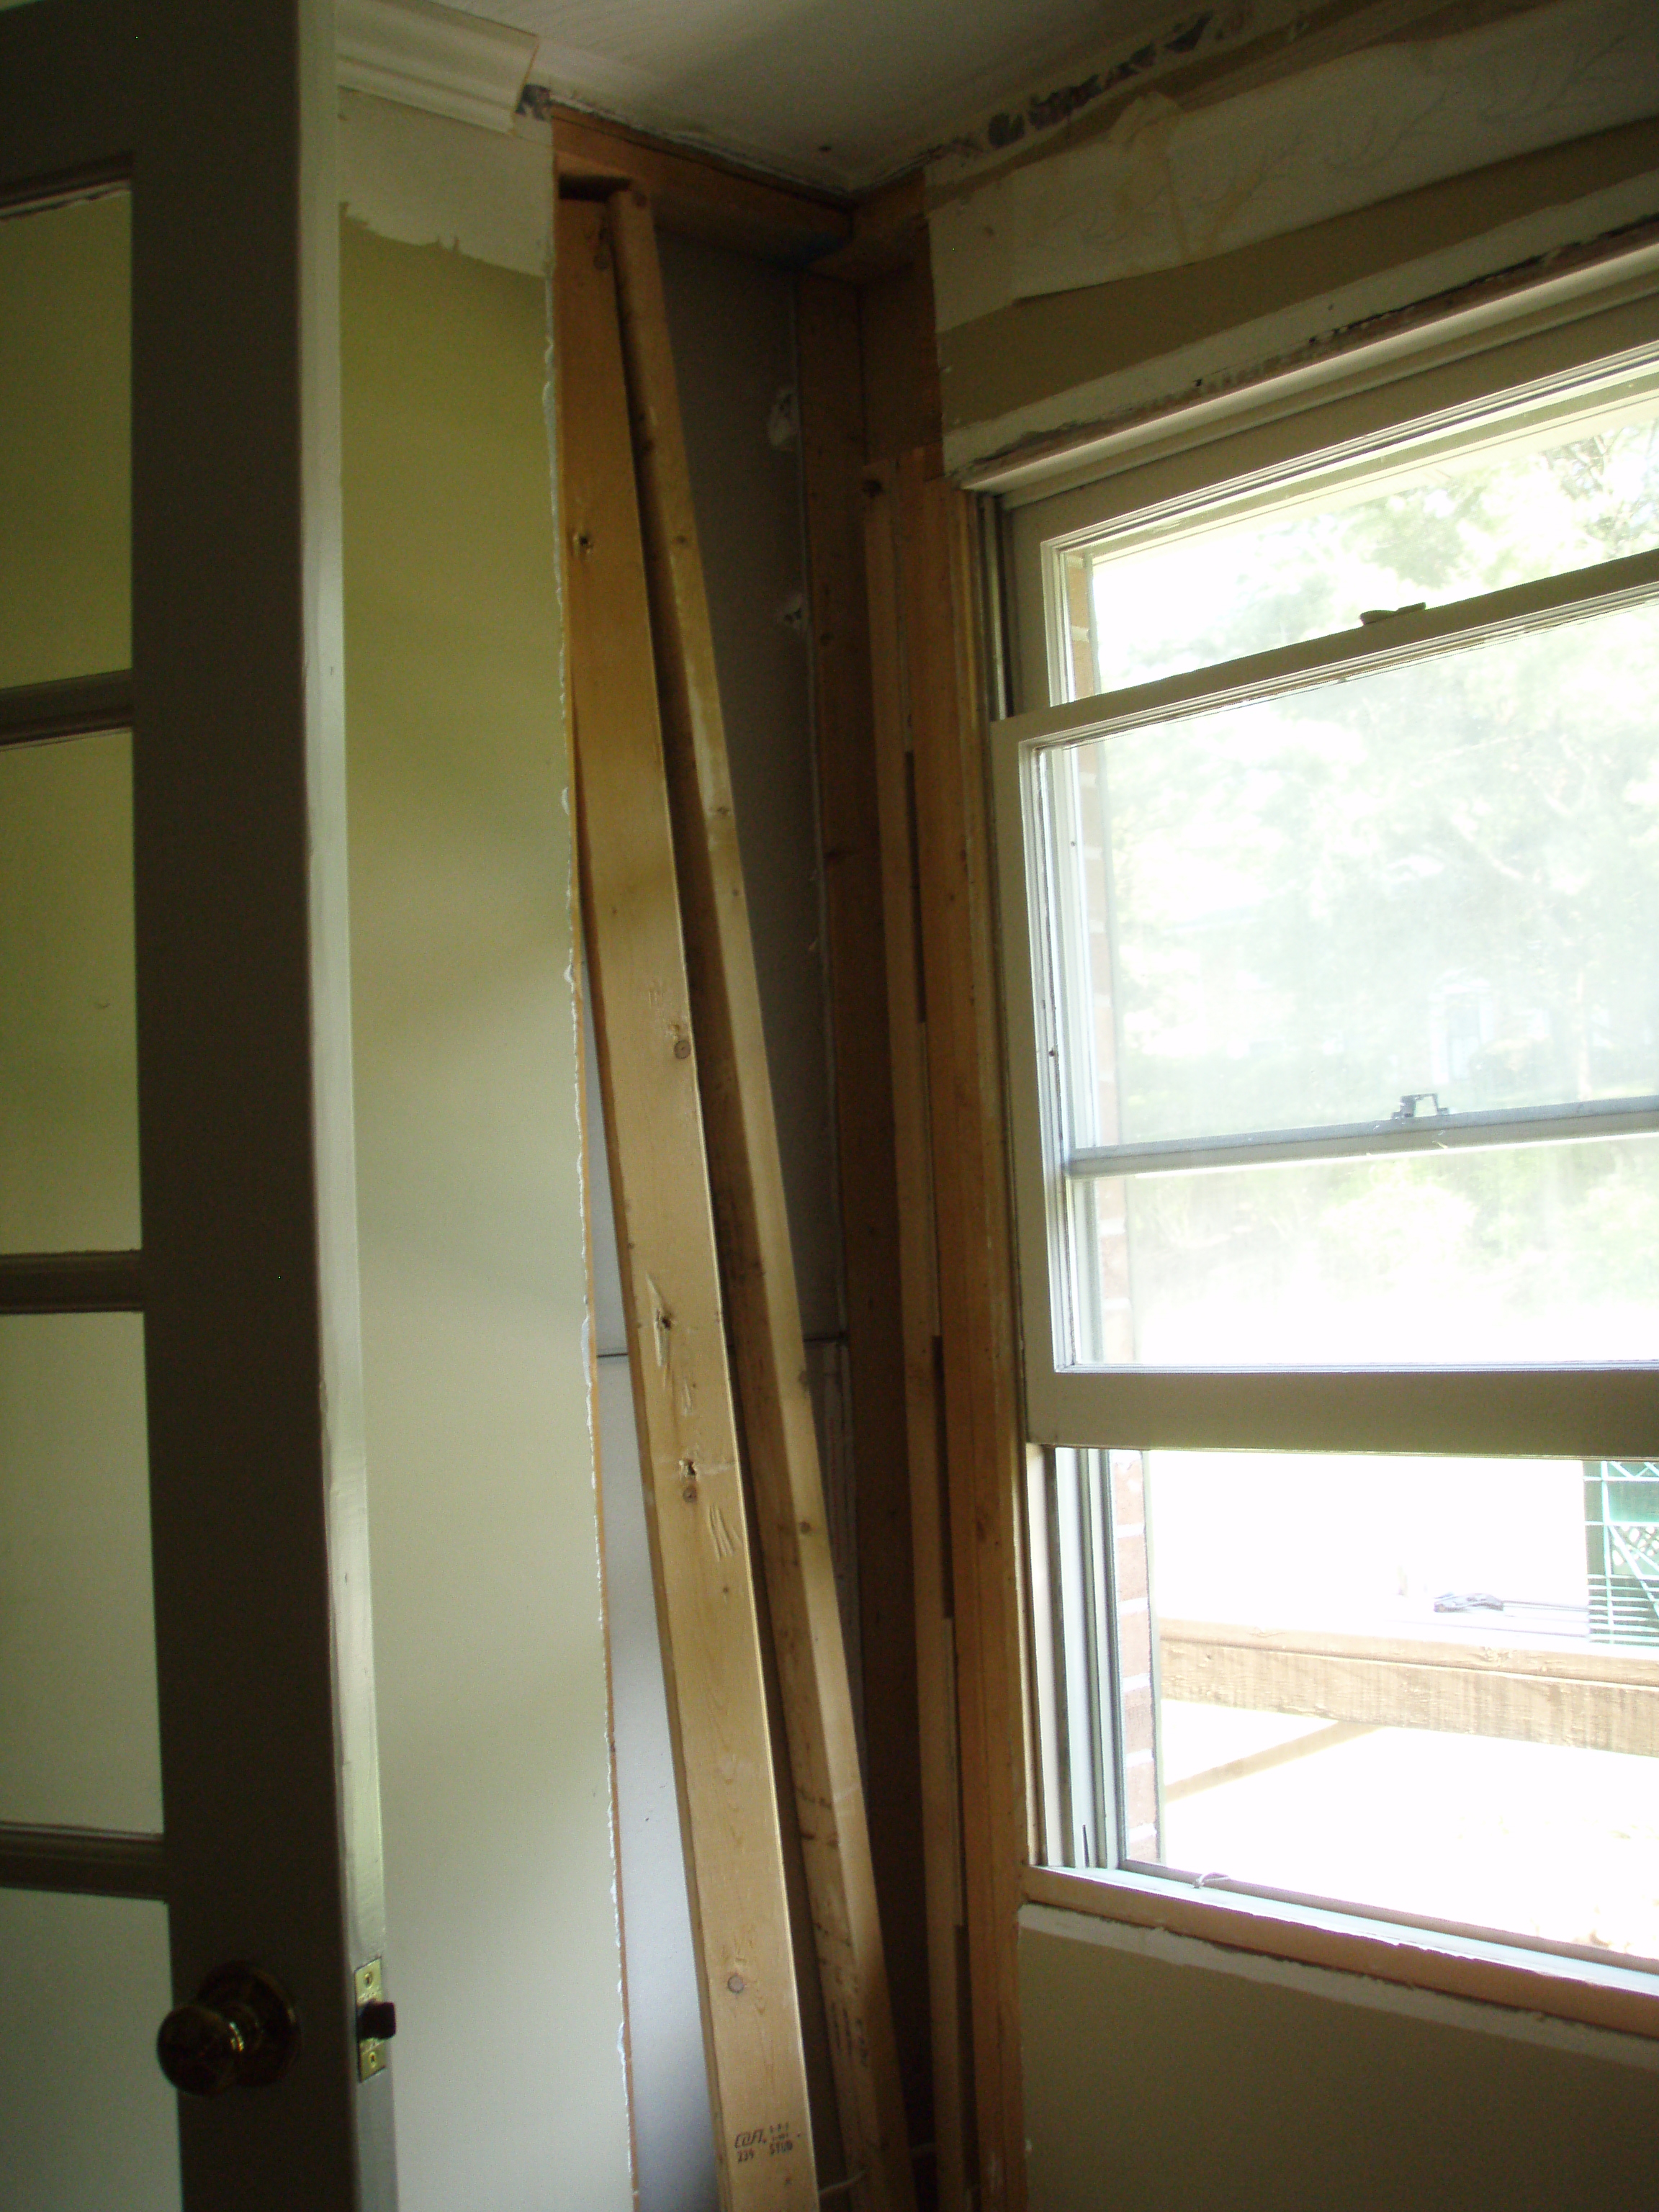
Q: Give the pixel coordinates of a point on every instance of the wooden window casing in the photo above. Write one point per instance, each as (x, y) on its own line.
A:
(1447, 378)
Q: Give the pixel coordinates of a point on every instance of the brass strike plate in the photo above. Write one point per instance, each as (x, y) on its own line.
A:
(371, 2051)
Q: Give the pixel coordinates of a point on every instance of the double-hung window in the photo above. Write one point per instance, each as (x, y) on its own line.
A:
(1329, 857)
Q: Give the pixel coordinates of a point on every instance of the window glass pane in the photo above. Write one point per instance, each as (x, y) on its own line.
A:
(1534, 504)
(1397, 1682)
(1541, 1252)
(1438, 882)
(87, 2121)
(68, 1081)
(65, 440)
(81, 1742)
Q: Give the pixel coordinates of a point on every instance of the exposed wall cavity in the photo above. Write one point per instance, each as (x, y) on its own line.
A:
(730, 321)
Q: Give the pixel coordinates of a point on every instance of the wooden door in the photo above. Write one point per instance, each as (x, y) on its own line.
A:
(241, 1285)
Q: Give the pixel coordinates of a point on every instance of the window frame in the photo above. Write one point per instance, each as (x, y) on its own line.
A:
(1533, 353)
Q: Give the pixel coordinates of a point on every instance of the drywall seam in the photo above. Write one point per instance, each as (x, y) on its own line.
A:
(1164, 188)
(425, 179)
(1362, 1990)
(1247, 349)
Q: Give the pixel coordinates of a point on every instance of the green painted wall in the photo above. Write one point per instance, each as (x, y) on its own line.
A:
(489, 1635)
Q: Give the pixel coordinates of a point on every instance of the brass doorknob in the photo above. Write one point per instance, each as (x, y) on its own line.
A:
(240, 2032)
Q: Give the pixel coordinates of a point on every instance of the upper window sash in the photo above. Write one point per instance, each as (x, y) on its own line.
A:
(1413, 634)
(1572, 1410)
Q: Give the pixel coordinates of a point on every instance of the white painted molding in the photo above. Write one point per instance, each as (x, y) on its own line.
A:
(430, 56)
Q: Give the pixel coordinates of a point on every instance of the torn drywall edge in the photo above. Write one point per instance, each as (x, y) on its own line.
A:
(1020, 124)
(1065, 424)
(1344, 136)
(1250, 43)
(1164, 187)
(423, 180)
(1330, 1983)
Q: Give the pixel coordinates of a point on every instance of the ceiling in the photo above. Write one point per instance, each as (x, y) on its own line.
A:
(841, 92)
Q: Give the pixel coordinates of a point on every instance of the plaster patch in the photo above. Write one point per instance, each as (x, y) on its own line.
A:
(425, 180)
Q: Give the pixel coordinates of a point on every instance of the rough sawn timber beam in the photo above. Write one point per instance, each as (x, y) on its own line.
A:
(757, 1265)
(684, 1409)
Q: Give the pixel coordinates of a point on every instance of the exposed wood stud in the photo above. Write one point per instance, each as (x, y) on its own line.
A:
(923, 1406)
(700, 1551)
(696, 197)
(985, 1451)
(757, 1268)
(832, 458)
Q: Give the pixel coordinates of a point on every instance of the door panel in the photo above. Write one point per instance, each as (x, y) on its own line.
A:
(65, 440)
(69, 1064)
(86, 2118)
(80, 1746)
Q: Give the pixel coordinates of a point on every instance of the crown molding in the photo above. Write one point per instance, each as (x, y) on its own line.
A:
(430, 56)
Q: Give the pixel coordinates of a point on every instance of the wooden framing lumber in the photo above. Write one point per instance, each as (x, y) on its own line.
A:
(924, 1412)
(1599, 1700)
(832, 444)
(889, 232)
(697, 195)
(757, 1263)
(937, 552)
(682, 1393)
